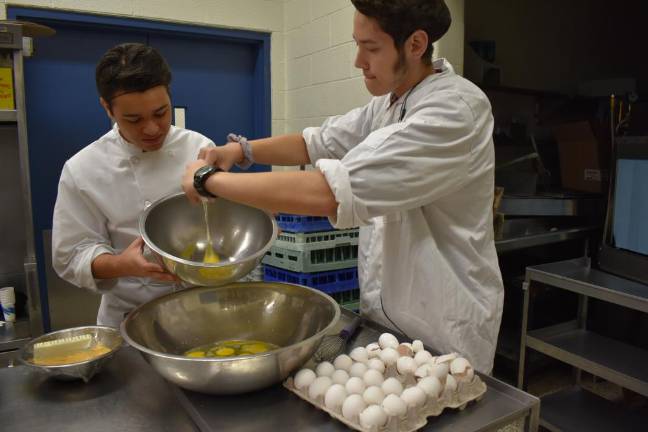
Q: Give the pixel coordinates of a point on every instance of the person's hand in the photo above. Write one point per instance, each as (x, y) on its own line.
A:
(223, 157)
(188, 178)
(133, 263)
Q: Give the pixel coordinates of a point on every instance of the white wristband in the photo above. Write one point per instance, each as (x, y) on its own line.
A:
(245, 147)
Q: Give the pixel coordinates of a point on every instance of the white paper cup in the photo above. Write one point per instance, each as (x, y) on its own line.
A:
(8, 303)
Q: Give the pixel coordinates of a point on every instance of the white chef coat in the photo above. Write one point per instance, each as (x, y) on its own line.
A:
(422, 191)
(102, 191)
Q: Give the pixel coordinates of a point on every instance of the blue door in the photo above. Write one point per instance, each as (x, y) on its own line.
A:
(220, 77)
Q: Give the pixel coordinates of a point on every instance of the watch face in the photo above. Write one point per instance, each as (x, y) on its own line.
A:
(200, 177)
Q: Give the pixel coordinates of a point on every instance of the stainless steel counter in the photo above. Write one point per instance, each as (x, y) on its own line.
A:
(128, 396)
(277, 409)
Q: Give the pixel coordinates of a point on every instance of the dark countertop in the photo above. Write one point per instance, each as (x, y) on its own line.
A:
(129, 396)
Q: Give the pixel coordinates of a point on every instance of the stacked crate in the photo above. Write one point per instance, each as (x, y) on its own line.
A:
(310, 252)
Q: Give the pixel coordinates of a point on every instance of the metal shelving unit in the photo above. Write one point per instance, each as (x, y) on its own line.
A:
(620, 363)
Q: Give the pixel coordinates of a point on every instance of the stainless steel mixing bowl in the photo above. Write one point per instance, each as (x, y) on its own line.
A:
(293, 317)
(107, 336)
(175, 231)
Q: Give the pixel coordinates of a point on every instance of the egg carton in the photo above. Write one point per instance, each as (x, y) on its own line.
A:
(456, 392)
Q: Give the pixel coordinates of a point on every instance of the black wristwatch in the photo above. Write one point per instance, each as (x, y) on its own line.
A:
(200, 178)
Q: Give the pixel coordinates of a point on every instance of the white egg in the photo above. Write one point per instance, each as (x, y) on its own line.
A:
(392, 386)
(414, 396)
(334, 397)
(353, 406)
(340, 377)
(304, 378)
(373, 416)
(440, 371)
(422, 371)
(405, 349)
(387, 340)
(358, 370)
(431, 386)
(373, 350)
(355, 385)
(373, 395)
(417, 346)
(318, 387)
(462, 370)
(343, 362)
(450, 384)
(389, 356)
(422, 357)
(376, 364)
(325, 369)
(360, 354)
(394, 405)
(373, 378)
(406, 365)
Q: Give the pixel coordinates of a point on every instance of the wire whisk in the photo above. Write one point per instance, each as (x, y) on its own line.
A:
(334, 345)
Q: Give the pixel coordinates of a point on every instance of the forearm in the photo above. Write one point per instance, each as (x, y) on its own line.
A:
(297, 192)
(287, 150)
(107, 266)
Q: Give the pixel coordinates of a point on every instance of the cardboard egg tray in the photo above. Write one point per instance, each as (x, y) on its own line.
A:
(415, 418)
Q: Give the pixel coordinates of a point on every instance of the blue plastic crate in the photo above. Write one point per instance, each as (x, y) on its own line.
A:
(330, 282)
(303, 224)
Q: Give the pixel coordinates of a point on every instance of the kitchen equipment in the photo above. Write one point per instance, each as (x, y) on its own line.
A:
(294, 317)
(174, 230)
(334, 345)
(85, 370)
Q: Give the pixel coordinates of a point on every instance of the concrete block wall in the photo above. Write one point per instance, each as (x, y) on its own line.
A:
(312, 52)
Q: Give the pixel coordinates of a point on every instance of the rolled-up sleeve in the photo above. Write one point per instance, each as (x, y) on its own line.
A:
(79, 234)
(404, 165)
(338, 134)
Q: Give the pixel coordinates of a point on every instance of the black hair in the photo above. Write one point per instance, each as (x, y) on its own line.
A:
(130, 67)
(400, 18)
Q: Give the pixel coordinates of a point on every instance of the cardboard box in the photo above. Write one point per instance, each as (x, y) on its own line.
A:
(584, 156)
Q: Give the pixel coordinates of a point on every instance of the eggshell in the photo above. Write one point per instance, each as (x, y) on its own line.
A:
(389, 356)
(353, 406)
(373, 350)
(461, 369)
(373, 416)
(358, 370)
(335, 396)
(340, 377)
(373, 378)
(440, 371)
(447, 358)
(422, 371)
(392, 386)
(417, 346)
(431, 386)
(414, 396)
(376, 364)
(373, 395)
(422, 357)
(405, 349)
(319, 387)
(360, 354)
(387, 340)
(304, 378)
(406, 365)
(355, 385)
(343, 362)
(394, 405)
(325, 369)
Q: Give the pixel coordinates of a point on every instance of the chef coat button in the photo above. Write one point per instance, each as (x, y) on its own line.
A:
(135, 160)
(170, 153)
(147, 204)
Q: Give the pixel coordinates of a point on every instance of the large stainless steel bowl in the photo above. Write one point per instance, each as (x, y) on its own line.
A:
(293, 317)
(175, 230)
(107, 336)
